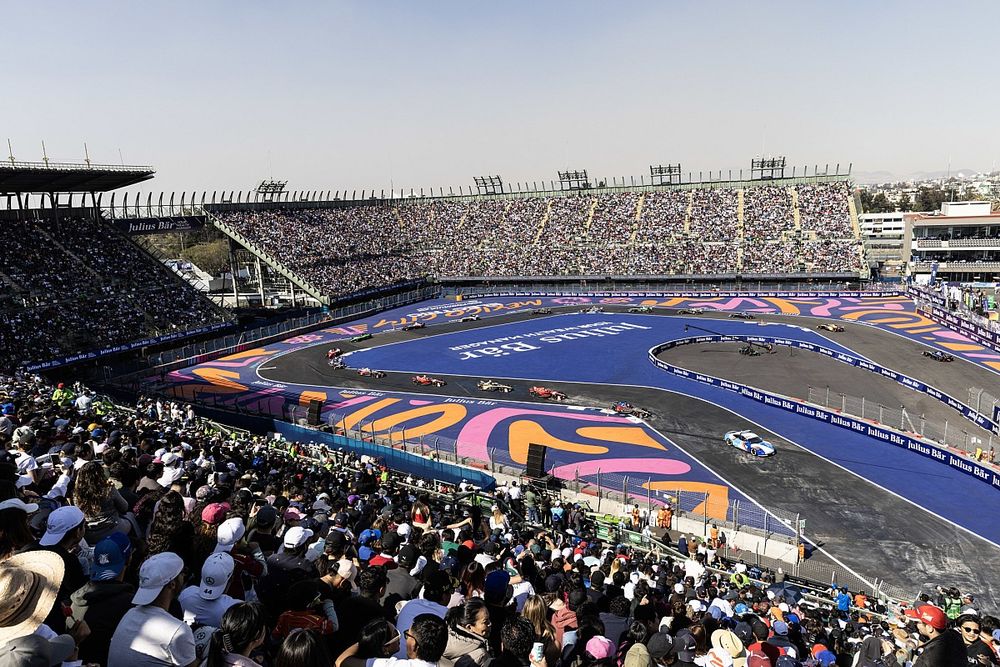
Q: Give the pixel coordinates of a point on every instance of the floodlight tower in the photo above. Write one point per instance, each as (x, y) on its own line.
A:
(665, 174)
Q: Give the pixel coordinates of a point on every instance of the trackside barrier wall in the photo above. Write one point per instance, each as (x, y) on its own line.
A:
(984, 422)
(702, 293)
(412, 464)
(829, 416)
(977, 333)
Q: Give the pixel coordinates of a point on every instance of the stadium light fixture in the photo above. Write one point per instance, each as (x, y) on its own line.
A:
(270, 190)
(574, 180)
(767, 169)
(669, 174)
(488, 185)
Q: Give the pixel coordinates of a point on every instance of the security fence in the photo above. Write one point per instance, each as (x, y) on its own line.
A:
(955, 434)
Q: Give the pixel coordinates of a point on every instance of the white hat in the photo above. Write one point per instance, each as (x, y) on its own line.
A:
(403, 529)
(296, 536)
(679, 589)
(229, 533)
(783, 606)
(156, 572)
(168, 458)
(215, 575)
(169, 476)
(60, 522)
(17, 503)
(719, 656)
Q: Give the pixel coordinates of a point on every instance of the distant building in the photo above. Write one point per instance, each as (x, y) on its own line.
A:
(887, 242)
(962, 240)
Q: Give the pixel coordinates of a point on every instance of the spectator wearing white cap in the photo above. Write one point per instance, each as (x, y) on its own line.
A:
(288, 566)
(206, 603)
(248, 559)
(148, 636)
(64, 529)
(15, 533)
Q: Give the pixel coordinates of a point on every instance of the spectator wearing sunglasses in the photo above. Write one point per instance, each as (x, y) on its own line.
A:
(977, 652)
(425, 642)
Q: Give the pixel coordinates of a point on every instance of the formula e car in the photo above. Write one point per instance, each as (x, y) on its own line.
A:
(426, 381)
(336, 363)
(469, 318)
(938, 355)
(626, 408)
(640, 309)
(742, 316)
(830, 326)
(750, 351)
(333, 352)
(361, 337)
(493, 385)
(545, 392)
(592, 309)
(412, 326)
(371, 373)
(691, 311)
(542, 311)
(749, 442)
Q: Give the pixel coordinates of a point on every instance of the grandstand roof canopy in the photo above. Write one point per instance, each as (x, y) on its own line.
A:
(68, 177)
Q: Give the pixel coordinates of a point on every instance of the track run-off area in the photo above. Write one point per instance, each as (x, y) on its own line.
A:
(879, 509)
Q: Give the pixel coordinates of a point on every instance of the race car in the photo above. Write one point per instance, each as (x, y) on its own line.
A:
(640, 309)
(333, 352)
(336, 363)
(938, 355)
(626, 408)
(749, 442)
(426, 381)
(371, 373)
(750, 351)
(542, 311)
(593, 309)
(493, 385)
(413, 325)
(469, 318)
(545, 392)
(361, 337)
(691, 311)
(830, 326)
(742, 316)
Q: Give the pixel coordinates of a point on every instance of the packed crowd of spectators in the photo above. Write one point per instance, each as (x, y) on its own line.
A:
(147, 537)
(340, 251)
(76, 285)
(767, 212)
(823, 208)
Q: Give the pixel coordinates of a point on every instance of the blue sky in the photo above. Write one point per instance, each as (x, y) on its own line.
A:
(345, 95)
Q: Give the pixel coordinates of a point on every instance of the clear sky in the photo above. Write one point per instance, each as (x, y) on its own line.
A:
(342, 95)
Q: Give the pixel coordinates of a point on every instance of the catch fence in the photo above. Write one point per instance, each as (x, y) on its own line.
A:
(955, 434)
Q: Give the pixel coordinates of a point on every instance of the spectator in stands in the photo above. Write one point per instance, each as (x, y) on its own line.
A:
(103, 601)
(468, 630)
(944, 647)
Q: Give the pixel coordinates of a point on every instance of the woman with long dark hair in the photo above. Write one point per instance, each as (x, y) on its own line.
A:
(378, 639)
(302, 648)
(468, 633)
(102, 506)
(242, 631)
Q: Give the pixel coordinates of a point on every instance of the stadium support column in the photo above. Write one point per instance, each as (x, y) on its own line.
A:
(260, 282)
(232, 275)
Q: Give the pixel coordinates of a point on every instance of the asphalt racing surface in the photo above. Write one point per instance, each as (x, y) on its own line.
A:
(860, 523)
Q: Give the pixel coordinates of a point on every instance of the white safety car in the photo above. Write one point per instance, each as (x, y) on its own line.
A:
(749, 442)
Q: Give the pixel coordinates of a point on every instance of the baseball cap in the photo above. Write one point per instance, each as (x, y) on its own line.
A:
(929, 614)
(17, 503)
(826, 657)
(214, 513)
(786, 661)
(296, 536)
(495, 586)
(369, 535)
(266, 516)
(60, 522)
(408, 556)
(685, 643)
(780, 628)
(156, 572)
(36, 651)
(110, 556)
(660, 645)
(215, 575)
(229, 533)
(600, 647)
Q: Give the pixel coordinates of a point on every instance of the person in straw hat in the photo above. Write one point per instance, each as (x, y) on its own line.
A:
(29, 584)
